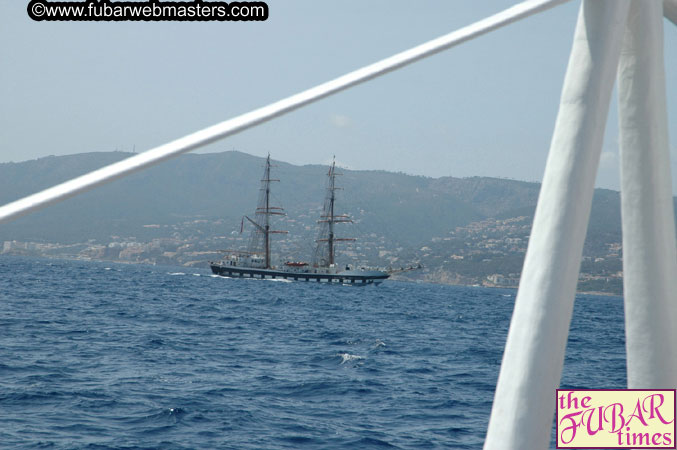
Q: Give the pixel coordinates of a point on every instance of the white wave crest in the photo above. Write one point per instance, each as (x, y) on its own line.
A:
(346, 357)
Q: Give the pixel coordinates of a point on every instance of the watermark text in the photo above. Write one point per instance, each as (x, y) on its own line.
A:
(154, 10)
(629, 418)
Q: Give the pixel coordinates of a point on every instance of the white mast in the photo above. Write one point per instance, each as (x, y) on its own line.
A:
(649, 248)
(522, 413)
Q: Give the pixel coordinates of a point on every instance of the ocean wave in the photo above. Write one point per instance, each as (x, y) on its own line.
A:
(347, 357)
(378, 344)
(136, 358)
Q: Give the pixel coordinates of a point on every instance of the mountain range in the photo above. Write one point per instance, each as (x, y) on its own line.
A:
(409, 210)
(461, 229)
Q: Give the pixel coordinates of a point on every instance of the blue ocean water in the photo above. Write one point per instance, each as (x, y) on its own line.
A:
(102, 355)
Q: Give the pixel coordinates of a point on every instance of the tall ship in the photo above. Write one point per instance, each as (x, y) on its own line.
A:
(256, 261)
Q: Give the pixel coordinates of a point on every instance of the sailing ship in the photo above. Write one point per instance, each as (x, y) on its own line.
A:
(256, 261)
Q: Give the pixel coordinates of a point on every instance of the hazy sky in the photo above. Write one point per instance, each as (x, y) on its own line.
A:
(484, 108)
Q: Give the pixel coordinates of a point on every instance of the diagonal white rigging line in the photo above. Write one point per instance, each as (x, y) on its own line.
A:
(240, 123)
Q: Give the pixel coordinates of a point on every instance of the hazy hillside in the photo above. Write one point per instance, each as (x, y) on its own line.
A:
(408, 210)
(184, 211)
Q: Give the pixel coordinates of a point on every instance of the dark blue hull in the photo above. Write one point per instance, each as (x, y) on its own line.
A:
(345, 277)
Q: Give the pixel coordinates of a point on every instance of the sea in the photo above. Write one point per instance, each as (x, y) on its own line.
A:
(99, 355)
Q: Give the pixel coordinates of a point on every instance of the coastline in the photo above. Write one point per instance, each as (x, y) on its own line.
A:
(411, 277)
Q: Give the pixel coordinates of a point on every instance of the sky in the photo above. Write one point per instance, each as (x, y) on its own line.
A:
(484, 108)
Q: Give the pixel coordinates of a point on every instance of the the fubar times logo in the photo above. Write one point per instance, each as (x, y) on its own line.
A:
(628, 418)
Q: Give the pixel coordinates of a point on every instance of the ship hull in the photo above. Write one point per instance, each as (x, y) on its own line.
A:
(353, 277)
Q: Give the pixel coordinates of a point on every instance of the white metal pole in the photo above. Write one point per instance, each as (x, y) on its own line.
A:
(523, 408)
(670, 10)
(649, 248)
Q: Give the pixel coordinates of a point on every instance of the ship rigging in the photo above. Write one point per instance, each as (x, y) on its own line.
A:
(256, 261)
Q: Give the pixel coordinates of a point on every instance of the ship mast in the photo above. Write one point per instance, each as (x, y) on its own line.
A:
(263, 213)
(325, 256)
(267, 211)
